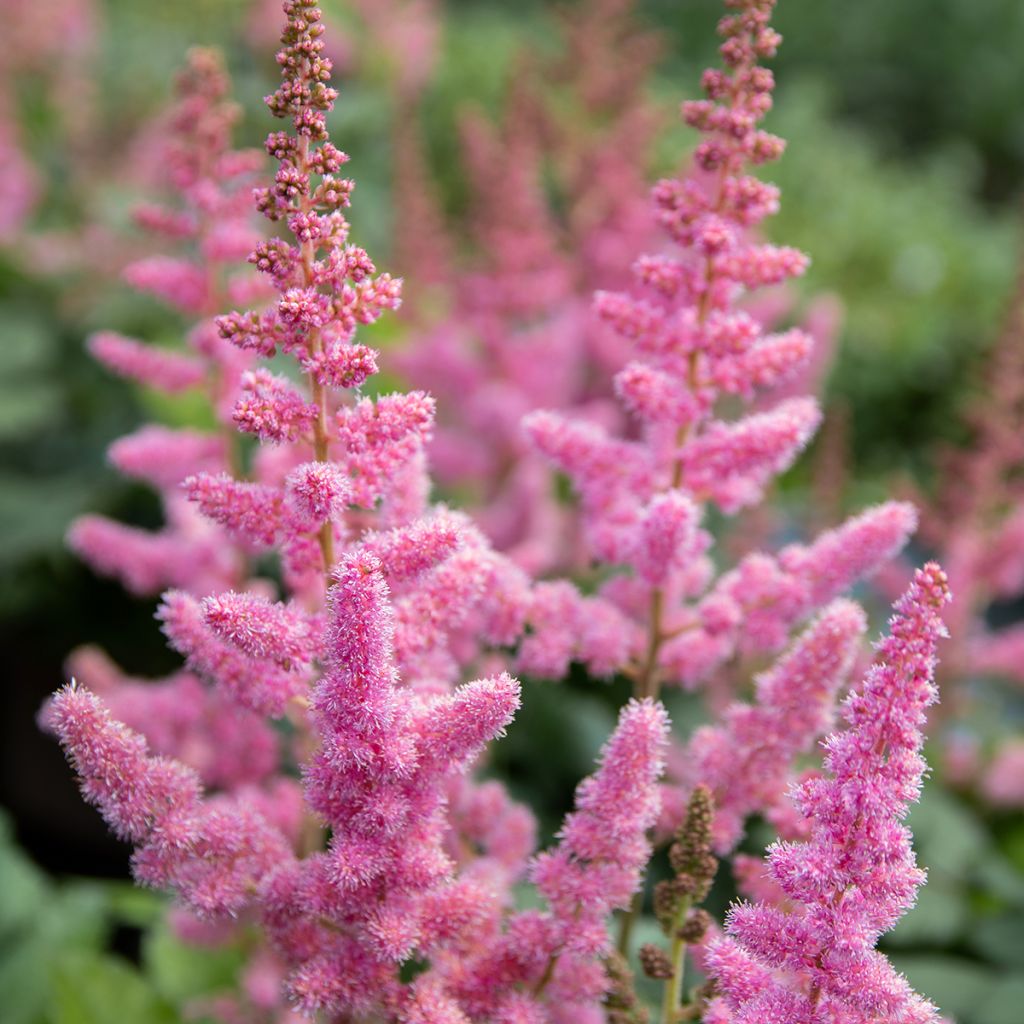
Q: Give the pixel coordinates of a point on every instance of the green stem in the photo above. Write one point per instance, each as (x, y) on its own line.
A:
(626, 922)
(673, 994)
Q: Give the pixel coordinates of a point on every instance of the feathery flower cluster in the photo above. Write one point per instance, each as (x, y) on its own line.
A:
(856, 874)
(370, 874)
(385, 602)
(745, 761)
(211, 220)
(694, 342)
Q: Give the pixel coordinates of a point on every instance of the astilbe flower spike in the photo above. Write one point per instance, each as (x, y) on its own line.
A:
(383, 604)
(745, 760)
(856, 874)
(665, 618)
(210, 222)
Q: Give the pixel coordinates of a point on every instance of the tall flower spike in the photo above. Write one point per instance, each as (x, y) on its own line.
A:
(856, 875)
(382, 605)
(603, 848)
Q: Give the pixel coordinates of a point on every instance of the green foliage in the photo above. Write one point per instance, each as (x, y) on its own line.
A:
(56, 966)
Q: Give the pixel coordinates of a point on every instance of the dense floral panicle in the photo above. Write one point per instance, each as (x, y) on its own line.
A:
(272, 409)
(746, 761)
(852, 551)
(1003, 781)
(164, 457)
(748, 453)
(668, 538)
(250, 511)
(146, 562)
(412, 594)
(565, 626)
(163, 369)
(264, 686)
(455, 728)
(229, 747)
(406, 552)
(607, 829)
(1000, 653)
(132, 790)
(177, 282)
(316, 493)
(262, 629)
(856, 874)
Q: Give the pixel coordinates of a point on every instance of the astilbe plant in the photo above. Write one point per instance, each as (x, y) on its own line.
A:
(382, 597)
(381, 884)
(521, 331)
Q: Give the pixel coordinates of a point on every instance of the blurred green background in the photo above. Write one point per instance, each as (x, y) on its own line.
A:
(902, 179)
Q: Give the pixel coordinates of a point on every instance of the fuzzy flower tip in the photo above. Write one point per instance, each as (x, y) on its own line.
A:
(614, 809)
(856, 875)
(747, 759)
(131, 789)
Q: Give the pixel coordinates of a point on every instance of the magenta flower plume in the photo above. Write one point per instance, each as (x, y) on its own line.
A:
(378, 781)
(603, 847)
(304, 785)
(213, 853)
(746, 761)
(856, 875)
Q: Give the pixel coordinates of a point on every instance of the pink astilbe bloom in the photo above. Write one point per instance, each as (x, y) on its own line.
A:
(732, 463)
(214, 853)
(272, 409)
(516, 332)
(1003, 780)
(261, 628)
(852, 551)
(690, 338)
(251, 512)
(605, 836)
(547, 965)
(164, 457)
(375, 781)
(746, 761)
(384, 604)
(227, 746)
(208, 195)
(262, 685)
(856, 875)
(163, 369)
(145, 562)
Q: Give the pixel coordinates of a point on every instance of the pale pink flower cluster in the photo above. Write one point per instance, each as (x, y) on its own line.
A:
(209, 219)
(693, 343)
(856, 874)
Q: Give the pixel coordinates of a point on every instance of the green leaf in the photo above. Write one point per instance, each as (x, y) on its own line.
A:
(23, 886)
(1004, 1003)
(90, 988)
(998, 877)
(131, 905)
(950, 839)
(1000, 939)
(956, 986)
(180, 972)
